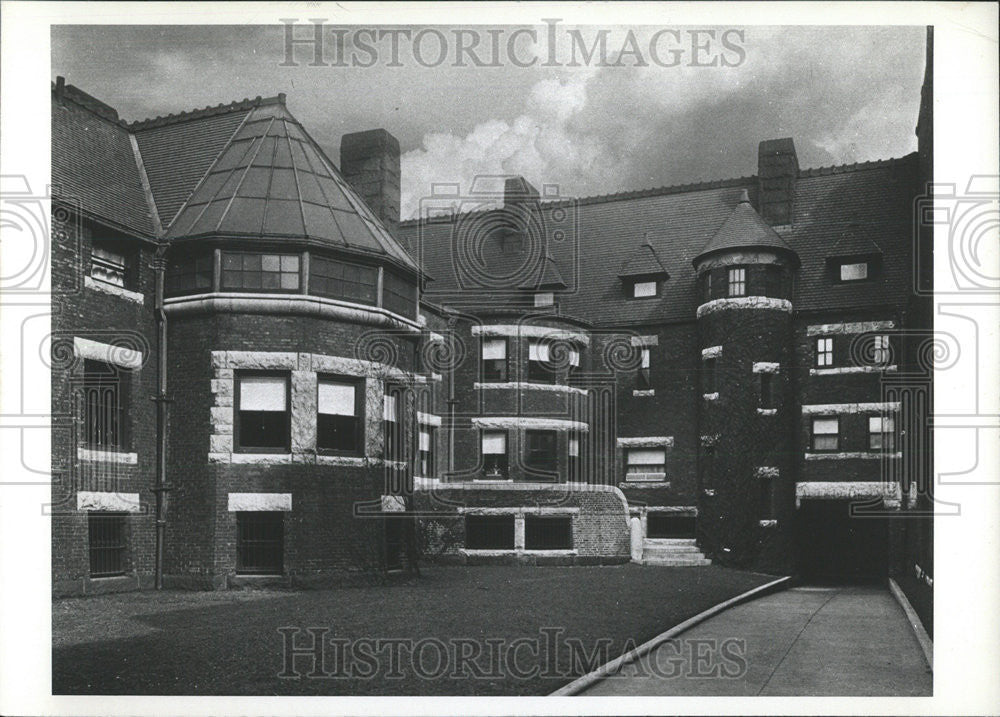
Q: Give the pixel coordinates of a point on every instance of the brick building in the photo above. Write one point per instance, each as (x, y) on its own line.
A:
(257, 358)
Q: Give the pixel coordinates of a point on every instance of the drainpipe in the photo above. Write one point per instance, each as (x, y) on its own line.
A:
(159, 269)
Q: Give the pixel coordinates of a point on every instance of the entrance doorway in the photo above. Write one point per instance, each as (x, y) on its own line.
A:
(834, 546)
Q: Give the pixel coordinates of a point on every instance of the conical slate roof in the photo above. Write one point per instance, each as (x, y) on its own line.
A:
(744, 229)
(643, 261)
(272, 180)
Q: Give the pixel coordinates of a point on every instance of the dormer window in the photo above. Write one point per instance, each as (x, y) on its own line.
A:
(544, 298)
(854, 272)
(844, 269)
(645, 289)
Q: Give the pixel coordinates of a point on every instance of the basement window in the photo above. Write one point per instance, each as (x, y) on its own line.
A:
(262, 418)
(825, 434)
(489, 532)
(548, 532)
(339, 417)
(106, 539)
(260, 543)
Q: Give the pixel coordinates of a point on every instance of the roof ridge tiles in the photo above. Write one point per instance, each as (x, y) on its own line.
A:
(708, 184)
(223, 108)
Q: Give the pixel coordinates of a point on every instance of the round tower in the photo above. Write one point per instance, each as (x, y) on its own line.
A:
(744, 283)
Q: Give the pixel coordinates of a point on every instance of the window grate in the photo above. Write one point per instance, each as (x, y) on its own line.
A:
(489, 532)
(107, 544)
(260, 543)
(104, 397)
(548, 533)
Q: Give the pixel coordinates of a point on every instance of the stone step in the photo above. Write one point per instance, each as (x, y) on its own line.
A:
(676, 561)
(679, 552)
(668, 541)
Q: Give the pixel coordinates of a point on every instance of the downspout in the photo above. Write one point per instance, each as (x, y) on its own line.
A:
(159, 269)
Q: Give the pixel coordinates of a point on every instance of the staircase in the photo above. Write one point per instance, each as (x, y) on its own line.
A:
(672, 552)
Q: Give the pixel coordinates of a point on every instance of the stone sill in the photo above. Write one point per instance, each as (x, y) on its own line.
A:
(106, 288)
(767, 411)
(852, 369)
(528, 386)
(768, 523)
(711, 396)
(96, 455)
(866, 455)
(649, 392)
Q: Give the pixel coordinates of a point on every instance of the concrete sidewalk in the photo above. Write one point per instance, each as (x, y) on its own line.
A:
(805, 641)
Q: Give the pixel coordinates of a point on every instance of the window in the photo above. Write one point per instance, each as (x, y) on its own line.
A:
(494, 448)
(427, 440)
(854, 272)
(339, 419)
(824, 352)
(108, 263)
(548, 532)
(106, 533)
(738, 282)
(539, 370)
(645, 463)
(766, 390)
(544, 299)
(574, 360)
(765, 486)
(540, 450)
(399, 295)
(644, 289)
(494, 365)
(341, 280)
(260, 272)
(881, 351)
(392, 424)
(260, 543)
(825, 434)
(882, 433)
(489, 532)
(773, 281)
(189, 275)
(262, 421)
(643, 380)
(105, 405)
(573, 458)
(708, 371)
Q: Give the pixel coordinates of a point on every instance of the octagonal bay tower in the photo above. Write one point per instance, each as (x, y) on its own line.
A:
(746, 492)
(292, 346)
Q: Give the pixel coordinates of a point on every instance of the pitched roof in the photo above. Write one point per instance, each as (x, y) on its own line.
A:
(93, 163)
(679, 222)
(643, 261)
(271, 179)
(744, 229)
(550, 277)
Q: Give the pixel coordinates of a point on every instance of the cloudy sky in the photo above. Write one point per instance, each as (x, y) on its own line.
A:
(655, 112)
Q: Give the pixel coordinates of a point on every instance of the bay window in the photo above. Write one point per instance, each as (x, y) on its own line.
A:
(539, 369)
(494, 453)
(494, 360)
(339, 418)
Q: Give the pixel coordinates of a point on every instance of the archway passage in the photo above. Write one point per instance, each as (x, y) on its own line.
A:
(836, 547)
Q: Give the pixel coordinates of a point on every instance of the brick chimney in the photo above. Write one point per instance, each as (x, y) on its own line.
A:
(777, 170)
(518, 190)
(369, 161)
